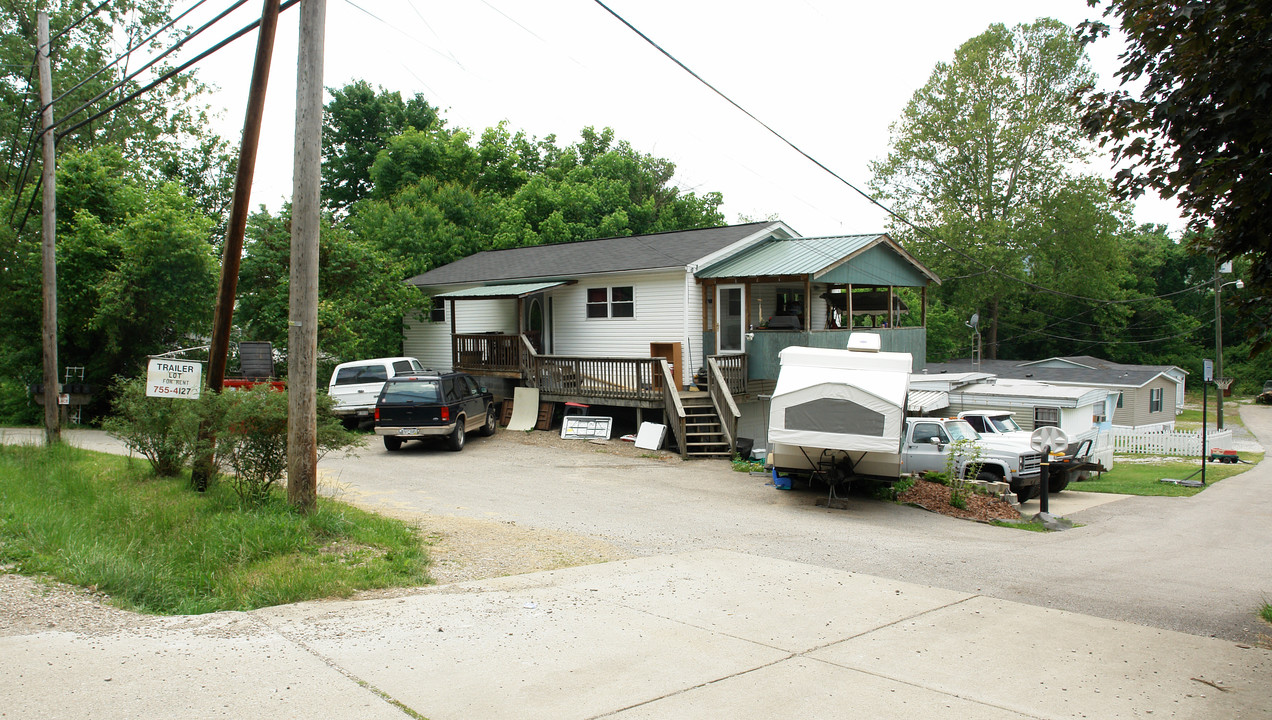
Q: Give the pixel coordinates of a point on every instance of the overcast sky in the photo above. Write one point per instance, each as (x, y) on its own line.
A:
(830, 75)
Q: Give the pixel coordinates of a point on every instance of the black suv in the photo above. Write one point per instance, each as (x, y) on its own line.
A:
(431, 404)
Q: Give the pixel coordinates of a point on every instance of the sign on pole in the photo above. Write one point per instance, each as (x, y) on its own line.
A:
(174, 378)
(1207, 370)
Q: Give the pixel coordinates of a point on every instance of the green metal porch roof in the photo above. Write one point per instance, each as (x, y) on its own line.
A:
(813, 256)
(499, 291)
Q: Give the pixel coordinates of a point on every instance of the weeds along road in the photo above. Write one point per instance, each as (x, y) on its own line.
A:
(1201, 565)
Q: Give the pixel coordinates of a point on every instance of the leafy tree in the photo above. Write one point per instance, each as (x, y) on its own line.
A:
(1200, 126)
(362, 298)
(136, 273)
(358, 124)
(154, 129)
(981, 157)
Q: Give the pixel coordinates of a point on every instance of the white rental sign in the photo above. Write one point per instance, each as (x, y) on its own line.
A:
(174, 378)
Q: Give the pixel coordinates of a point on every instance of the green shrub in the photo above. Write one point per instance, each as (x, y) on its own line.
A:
(252, 438)
(961, 464)
(162, 430)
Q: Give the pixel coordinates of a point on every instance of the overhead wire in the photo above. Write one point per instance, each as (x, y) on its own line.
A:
(891, 213)
(161, 79)
(79, 22)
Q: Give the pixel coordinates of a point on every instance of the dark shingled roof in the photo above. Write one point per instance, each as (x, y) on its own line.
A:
(639, 252)
(1101, 372)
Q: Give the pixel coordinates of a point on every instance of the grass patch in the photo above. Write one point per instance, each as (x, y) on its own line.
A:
(107, 522)
(1265, 612)
(1031, 526)
(1138, 478)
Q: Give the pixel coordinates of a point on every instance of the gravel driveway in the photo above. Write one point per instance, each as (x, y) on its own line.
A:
(1201, 565)
(523, 502)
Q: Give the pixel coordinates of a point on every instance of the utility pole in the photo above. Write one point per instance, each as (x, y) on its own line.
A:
(302, 333)
(48, 247)
(223, 315)
(1218, 352)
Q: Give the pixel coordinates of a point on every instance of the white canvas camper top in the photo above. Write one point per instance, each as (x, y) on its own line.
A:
(839, 400)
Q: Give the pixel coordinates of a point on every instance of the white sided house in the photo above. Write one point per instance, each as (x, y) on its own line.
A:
(1147, 396)
(638, 321)
(1081, 412)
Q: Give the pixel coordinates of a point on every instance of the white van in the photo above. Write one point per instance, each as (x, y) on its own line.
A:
(355, 385)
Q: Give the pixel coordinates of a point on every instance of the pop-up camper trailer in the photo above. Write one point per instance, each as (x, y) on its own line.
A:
(832, 405)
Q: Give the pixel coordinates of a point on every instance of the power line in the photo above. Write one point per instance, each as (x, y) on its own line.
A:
(77, 23)
(922, 231)
(139, 44)
(163, 78)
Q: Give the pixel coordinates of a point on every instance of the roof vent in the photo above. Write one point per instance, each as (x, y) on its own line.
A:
(864, 342)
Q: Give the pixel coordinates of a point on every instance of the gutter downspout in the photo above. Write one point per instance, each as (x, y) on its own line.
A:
(688, 362)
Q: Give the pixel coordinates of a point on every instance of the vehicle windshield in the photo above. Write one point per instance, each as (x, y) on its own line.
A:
(1004, 424)
(412, 391)
(960, 430)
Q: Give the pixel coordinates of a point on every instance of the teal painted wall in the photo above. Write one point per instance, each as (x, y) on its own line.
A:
(762, 349)
(879, 265)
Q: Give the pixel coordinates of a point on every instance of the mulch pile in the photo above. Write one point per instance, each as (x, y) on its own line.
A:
(936, 498)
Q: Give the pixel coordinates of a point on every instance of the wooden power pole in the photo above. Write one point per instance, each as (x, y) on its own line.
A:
(232, 256)
(52, 424)
(302, 335)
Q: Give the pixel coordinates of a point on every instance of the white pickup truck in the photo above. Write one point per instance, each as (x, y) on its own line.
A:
(926, 446)
(998, 426)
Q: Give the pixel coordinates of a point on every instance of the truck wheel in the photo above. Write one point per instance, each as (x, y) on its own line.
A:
(456, 440)
(1058, 482)
(987, 477)
(392, 444)
(1026, 493)
(489, 428)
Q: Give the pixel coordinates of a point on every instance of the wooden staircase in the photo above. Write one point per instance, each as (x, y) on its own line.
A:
(703, 433)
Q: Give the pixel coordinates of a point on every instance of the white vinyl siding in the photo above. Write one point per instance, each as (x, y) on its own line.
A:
(659, 317)
(430, 342)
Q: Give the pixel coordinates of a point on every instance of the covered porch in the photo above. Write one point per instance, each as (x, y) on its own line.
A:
(814, 292)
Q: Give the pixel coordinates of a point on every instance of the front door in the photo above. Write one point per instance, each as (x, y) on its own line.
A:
(730, 319)
(534, 323)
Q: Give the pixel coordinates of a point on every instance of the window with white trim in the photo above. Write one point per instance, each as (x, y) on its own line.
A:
(1155, 397)
(611, 302)
(438, 313)
(1046, 417)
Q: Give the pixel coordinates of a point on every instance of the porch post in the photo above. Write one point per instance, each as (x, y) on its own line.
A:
(848, 304)
(808, 303)
(892, 311)
(923, 305)
(454, 341)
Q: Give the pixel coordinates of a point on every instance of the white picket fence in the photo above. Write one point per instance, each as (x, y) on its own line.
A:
(1175, 443)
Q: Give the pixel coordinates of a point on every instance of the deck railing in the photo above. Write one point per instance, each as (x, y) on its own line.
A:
(487, 351)
(675, 409)
(733, 370)
(722, 401)
(624, 379)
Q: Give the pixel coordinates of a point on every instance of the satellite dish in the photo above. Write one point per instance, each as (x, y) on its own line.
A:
(974, 322)
(1049, 436)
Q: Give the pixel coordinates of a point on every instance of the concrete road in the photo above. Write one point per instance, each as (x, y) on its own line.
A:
(1200, 565)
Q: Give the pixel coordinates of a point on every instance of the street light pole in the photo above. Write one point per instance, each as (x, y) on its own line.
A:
(1219, 343)
(1218, 351)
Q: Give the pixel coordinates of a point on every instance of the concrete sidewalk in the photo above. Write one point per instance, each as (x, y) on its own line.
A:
(704, 634)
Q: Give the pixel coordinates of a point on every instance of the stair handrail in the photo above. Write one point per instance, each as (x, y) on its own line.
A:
(675, 408)
(722, 401)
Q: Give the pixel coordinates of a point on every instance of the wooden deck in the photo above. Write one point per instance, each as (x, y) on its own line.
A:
(645, 383)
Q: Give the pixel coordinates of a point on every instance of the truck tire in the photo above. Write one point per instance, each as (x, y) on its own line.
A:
(392, 444)
(489, 428)
(1025, 493)
(1058, 482)
(455, 441)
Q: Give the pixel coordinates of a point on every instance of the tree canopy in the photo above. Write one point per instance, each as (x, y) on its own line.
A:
(980, 161)
(1199, 127)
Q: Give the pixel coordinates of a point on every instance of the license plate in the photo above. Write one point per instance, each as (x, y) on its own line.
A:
(409, 431)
